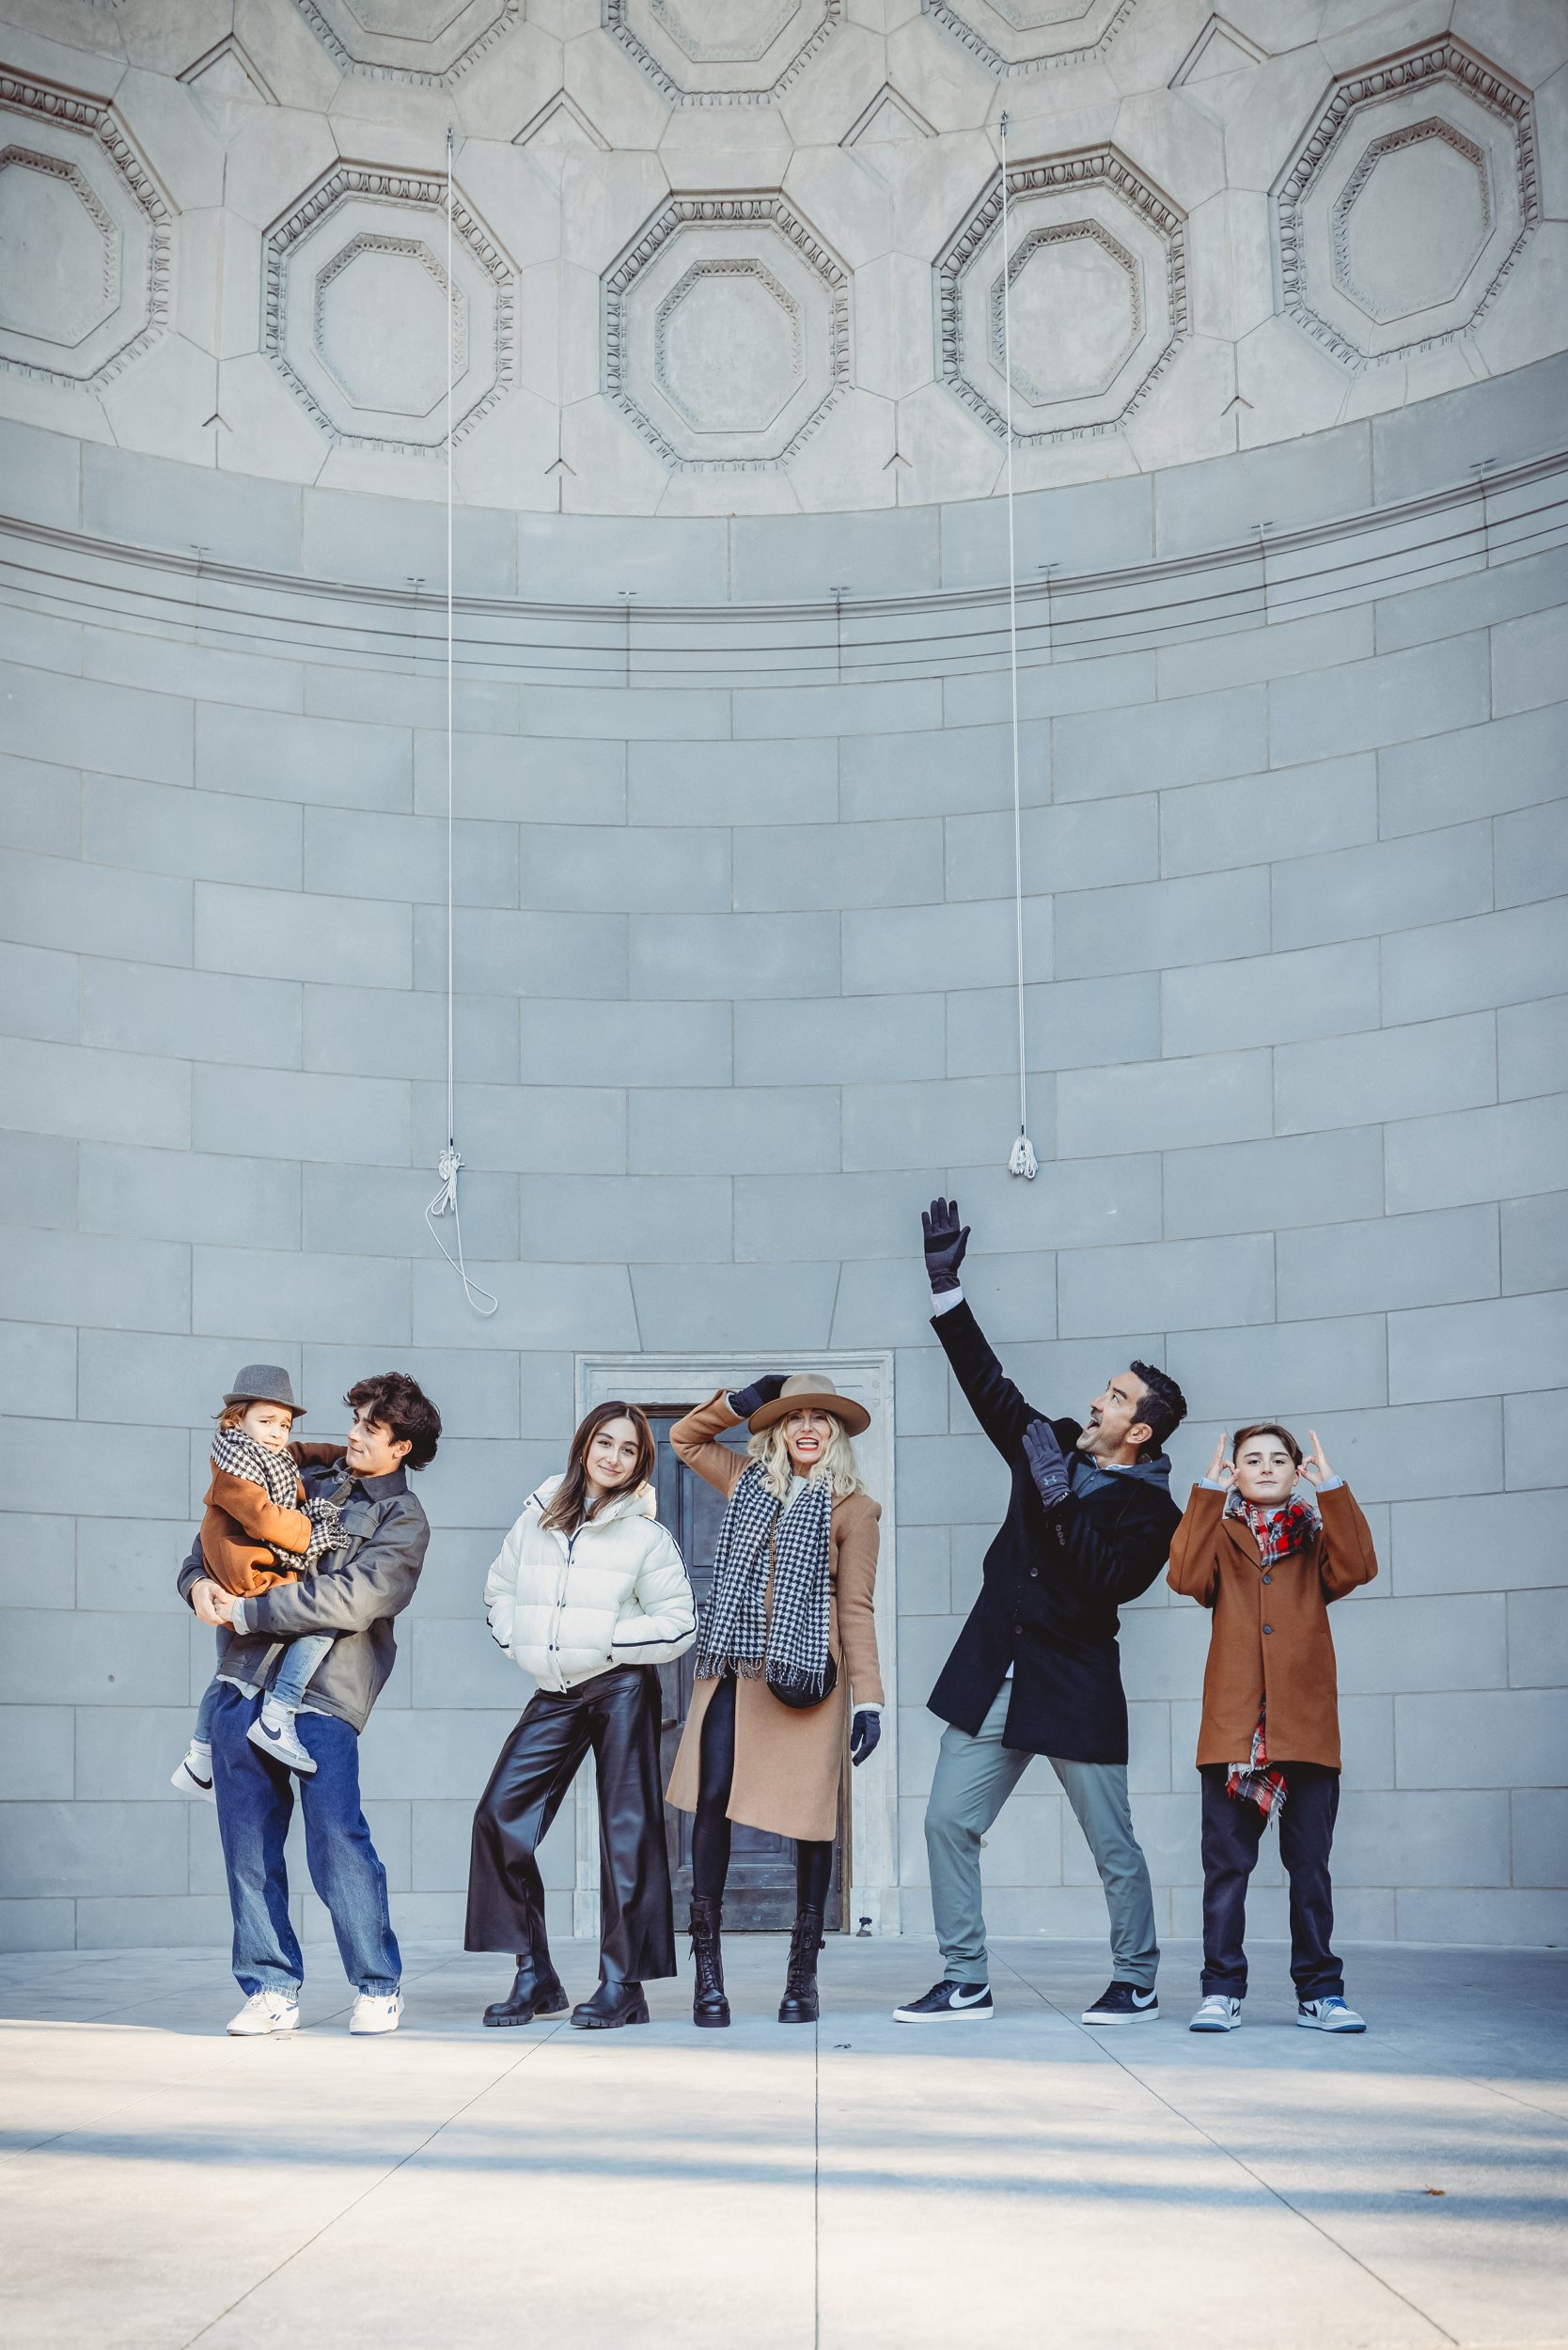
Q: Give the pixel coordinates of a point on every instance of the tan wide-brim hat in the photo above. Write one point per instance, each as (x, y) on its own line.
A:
(808, 1391)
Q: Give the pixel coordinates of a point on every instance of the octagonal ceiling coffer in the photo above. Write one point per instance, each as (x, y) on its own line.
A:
(423, 42)
(722, 53)
(1406, 204)
(725, 325)
(1031, 36)
(1096, 282)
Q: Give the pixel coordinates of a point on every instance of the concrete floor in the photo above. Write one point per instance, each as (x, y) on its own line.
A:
(1023, 2183)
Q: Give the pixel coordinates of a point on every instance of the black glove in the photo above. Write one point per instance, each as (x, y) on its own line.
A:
(865, 1736)
(1047, 1466)
(764, 1390)
(946, 1241)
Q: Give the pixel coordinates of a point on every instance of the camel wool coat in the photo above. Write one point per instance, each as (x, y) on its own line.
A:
(788, 1765)
(1270, 1634)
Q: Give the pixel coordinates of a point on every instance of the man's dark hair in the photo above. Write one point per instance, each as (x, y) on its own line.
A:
(400, 1403)
(1163, 1409)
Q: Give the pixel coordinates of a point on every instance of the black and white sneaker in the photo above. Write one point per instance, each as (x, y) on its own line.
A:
(1123, 2003)
(193, 1773)
(949, 2003)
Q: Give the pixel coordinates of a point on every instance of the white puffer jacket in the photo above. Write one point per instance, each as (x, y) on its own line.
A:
(613, 1593)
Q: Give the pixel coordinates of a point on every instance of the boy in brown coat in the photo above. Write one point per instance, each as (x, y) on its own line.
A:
(1268, 1564)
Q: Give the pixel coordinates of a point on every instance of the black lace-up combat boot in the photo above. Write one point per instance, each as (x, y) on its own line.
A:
(710, 2008)
(799, 2003)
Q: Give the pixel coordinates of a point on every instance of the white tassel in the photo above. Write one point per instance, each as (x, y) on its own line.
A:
(446, 1203)
(1022, 1160)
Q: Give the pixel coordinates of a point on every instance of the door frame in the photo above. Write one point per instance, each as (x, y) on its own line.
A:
(866, 1375)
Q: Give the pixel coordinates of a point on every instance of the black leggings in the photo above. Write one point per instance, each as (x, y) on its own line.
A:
(710, 1834)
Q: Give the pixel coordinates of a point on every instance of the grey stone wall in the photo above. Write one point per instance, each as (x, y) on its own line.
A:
(734, 953)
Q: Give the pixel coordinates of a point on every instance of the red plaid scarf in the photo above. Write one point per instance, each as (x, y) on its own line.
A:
(1276, 1533)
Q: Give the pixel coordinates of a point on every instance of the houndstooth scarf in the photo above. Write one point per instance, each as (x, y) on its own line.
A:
(1276, 1533)
(239, 1455)
(740, 1634)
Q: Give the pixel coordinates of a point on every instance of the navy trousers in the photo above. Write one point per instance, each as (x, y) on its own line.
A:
(1232, 1831)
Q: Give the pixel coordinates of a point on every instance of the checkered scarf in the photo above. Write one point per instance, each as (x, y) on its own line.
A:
(239, 1455)
(786, 1643)
(1276, 1533)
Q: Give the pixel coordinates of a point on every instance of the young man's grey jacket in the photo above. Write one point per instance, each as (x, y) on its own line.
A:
(355, 1592)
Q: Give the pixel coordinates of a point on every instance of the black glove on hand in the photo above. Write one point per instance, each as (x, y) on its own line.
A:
(946, 1241)
(1047, 1464)
(764, 1390)
(865, 1736)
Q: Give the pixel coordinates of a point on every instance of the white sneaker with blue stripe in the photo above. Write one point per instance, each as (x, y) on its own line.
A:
(1330, 2014)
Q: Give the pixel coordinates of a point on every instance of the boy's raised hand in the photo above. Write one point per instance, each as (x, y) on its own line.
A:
(1314, 1467)
(1219, 1471)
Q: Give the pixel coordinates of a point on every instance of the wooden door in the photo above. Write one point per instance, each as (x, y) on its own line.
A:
(759, 1897)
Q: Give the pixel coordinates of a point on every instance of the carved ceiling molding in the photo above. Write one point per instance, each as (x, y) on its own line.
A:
(81, 156)
(753, 67)
(1442, 96)
(457, 32)
(1012, 36)
(1135, 238)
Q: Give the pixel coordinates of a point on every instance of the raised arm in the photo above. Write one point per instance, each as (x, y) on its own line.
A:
(695, 1442)
(1001, 1410)
(661, 1623)
(1347, 1555)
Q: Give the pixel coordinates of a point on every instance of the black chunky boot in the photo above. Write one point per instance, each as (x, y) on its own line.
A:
(535, 1991)
(612, 2005)
(710, 2008)
(799, 2003)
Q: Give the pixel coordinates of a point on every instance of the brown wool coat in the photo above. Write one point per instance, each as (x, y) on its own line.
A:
(239, 1521)
(1270, 1632)
(788, 1765)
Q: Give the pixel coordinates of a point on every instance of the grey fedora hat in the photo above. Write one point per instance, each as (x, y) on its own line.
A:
(264, 1383)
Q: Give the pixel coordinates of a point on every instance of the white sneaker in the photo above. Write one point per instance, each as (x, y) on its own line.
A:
(193, 1773)
(377, 2011)
(1330, 2014)
(1217, 2013)
(265, 2012)
(278, 1737)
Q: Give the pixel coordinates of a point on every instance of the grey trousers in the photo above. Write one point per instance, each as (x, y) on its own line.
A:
(974, 1778)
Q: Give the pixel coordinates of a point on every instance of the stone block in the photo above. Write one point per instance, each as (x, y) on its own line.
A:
(949, 1122)
(882, 1301)
(288, 1114)
(1367, 1739)
(37, 1746)
(1536, 1438)
(1410, 1453)
(742, 955)
(39, 1567)
(91, 909)
(514, 780)
(531, 1128)
(110, 730)
(771, 784)
(452, 1580)
(347, 535)
(45, 473)
(923, 1573)
(761, 1307)
(1164, 1650)
(92, 1661)
(1068, 1024)
(1481, 1738)
(1272, 999)
(839, 865)
(130, 1565)
(1456, 1642)
(1532, 1048)
(943, 1479)
(1398, 1260)
(71, 1849)
(1495, 1542)
(346, 941)
(647, 1219)
(380, 1211)
(893, 950)
(1177, 1284)
(165, 1381)
(576, 713)
(1160, 745)
(205, 836)
(1540, 1835)
(1535, 1243)
(460, 1665)
(782, 1218)
(98, 1096)
(40, 807)
(199, 672)
(1505, 958)
(749, 1129)
(540, 954)
(1248, 655)
(1437, 439)
(1479, 771)
(1163, 1105)
(1397, 697)
(882, 776)
(1087, 845)
(1273, 1183)
(38, 1370)
(891, 553)
(1538, 1639)
(1453, 1839)
(1387, 886)
(1090, 525)
(1508, 1918)
(1386, 1074)
(1156, 925)
(388, 1032)
(272, 754)
(186, 1195)
(196, 1015)
(1212, 827)
(37, 1173)
(286, 1296)
(1300, 1367)
(1014, 1296)
(162, 1922)
(677, 869)
(1217, 501)
(152, 502)
(129, 1745)
(649, 1045)
(911, 706)
(1530, 658)
(1529, 854)
(427, 1754)
(111, 1283)
(404, 857)
(556, 1307)
(676, 557)
(923, 1645)
(1072, 1203)
(847, 1040)
(1480, 1349)
(39, 988)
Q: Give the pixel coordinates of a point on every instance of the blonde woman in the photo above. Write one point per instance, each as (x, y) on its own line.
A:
(786, 1652)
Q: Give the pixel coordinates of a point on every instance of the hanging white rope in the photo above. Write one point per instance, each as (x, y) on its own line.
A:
(450, 1162)
(1023, 1160)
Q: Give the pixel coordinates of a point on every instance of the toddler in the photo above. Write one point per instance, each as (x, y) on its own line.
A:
(258, 1530)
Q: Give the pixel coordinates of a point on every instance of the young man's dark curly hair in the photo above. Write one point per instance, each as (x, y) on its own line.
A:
(1163, 1410)
(402, 1405)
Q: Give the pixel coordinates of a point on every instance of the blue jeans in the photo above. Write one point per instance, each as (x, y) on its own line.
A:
(256, 1801)
(301, 1657)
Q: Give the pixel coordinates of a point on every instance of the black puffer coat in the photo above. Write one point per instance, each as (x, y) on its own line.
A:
(1052, 1587)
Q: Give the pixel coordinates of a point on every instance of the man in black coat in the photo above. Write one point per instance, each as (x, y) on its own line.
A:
(1036, 1668)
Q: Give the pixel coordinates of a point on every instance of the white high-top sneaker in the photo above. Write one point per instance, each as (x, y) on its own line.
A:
(193, 1773)
(377, 2012)
(275, 1733)
(265, 2012)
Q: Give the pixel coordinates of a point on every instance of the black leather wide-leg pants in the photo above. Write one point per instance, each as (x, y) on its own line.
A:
(617, 1716)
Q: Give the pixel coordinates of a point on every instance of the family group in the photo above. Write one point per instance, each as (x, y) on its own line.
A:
(307, 1552)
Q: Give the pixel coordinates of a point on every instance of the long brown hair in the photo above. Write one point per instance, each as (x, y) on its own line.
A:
(568, 1506)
